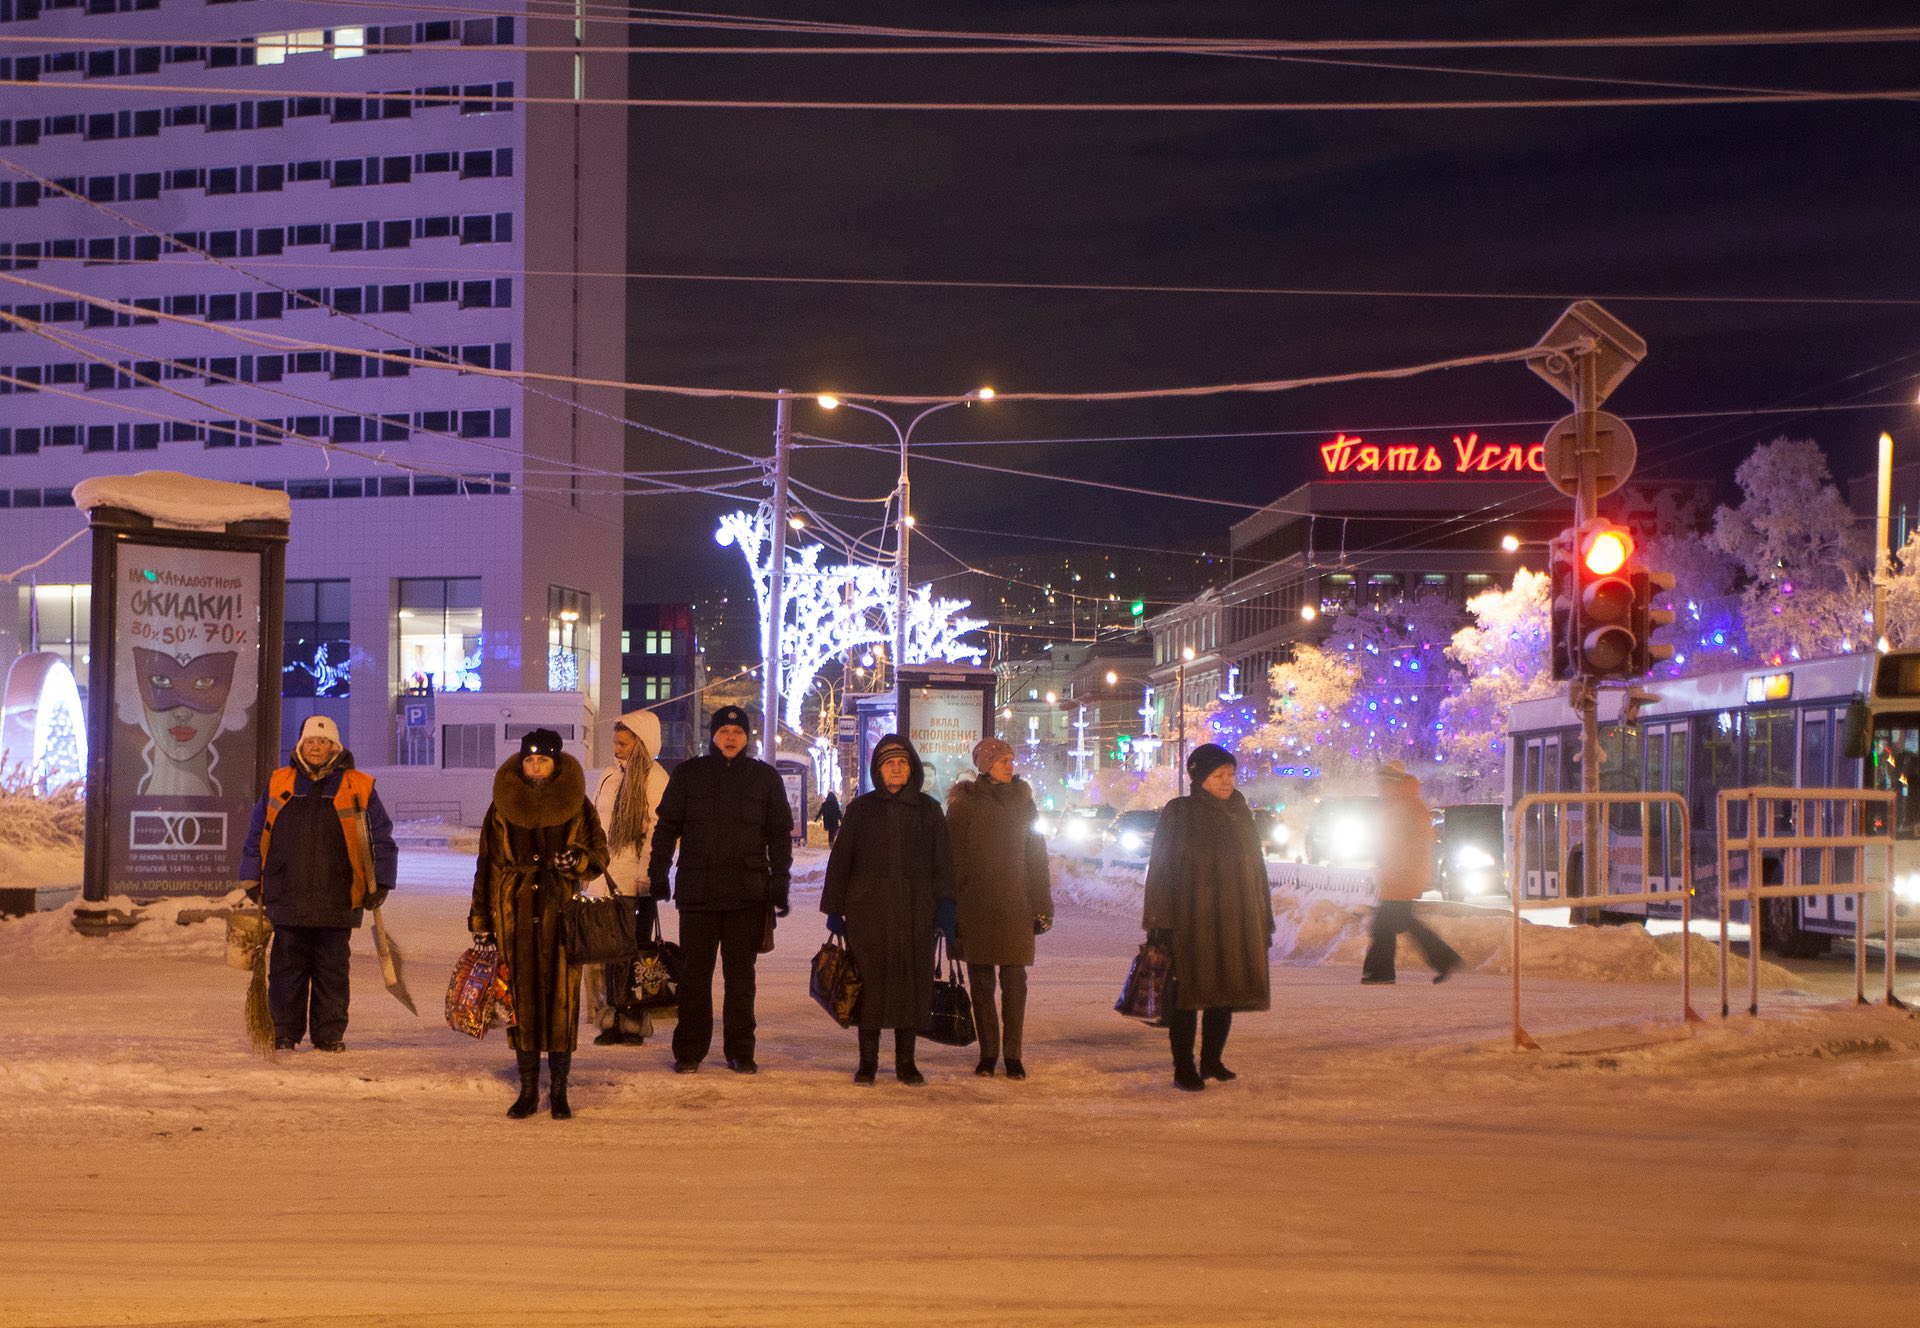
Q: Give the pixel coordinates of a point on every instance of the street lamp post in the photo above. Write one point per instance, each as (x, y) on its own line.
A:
(1180, 705)
(904, 517)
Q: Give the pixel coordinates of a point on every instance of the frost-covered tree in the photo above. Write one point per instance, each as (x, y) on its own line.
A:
(1400, 653)
(1801, 554)
(1503, 656)
(1310, 695)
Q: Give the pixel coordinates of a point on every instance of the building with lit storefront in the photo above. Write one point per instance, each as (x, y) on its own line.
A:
(453, 532)
(1380, 523)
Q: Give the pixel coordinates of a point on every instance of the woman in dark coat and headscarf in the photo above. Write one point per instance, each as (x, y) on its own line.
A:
(889, 885)
(1003, 895)
(540, 840)
(1207, 896)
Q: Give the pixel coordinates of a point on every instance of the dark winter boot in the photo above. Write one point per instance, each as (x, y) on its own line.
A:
(1180, 1035)
(869, 1056)
(558, 1064)
(1214, 1026)
(529, 1099)
(903, 1067)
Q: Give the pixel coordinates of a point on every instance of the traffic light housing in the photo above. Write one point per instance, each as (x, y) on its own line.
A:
(1647, 587)
(1563, 595)
(1607, 646)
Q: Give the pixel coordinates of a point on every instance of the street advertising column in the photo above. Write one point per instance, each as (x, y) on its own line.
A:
(943, 712)
(184, 708)
(797, 777)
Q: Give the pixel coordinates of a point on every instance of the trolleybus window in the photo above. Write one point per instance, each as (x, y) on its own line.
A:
(1895, 767)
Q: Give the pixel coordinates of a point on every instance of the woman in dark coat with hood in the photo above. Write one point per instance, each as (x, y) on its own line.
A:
(1003, 895)
(1208, 898)
(540, 840)
(889, 885)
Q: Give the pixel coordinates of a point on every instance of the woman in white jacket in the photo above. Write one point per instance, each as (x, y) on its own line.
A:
(628, 801)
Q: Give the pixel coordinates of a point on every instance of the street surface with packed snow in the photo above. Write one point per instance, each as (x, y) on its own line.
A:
(1386, 1157)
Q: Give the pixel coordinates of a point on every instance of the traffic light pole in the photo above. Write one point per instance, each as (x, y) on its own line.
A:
(1583, 693)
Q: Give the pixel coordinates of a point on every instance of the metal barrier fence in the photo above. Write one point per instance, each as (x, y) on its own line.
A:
(1600, 898)
(1780, 819)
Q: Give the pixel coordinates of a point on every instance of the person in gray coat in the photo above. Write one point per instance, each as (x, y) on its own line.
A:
(1003, 896)
(1208, 899)
(889, 886)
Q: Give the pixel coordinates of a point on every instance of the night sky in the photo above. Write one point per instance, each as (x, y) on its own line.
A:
(1814, 201)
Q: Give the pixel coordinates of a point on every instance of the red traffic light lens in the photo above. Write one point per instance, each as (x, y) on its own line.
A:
(1607, 551)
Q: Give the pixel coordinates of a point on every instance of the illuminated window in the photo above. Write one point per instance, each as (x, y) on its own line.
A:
(316, 641)
(656, 688)
(658, 643)
(349, 43)
(569, 640)
(626, 642)
(439, 633)
(626, 688)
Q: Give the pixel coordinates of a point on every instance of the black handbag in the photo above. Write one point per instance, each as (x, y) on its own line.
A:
(656, 974)
(834, 982)
(951, 1023)
(599, 930)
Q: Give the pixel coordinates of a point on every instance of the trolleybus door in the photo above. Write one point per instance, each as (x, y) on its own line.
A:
(1667, 758)
(1540, 773)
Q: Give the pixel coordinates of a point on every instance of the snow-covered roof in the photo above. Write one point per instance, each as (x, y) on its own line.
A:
(182, 502)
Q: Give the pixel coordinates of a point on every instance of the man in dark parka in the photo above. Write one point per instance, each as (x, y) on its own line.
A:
(889, 886)
(728, 816)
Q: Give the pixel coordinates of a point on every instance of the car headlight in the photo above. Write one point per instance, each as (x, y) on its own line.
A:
(1280, 835)
(1040, 826)
(1472, 857)
(1907, 887)
(1076, 829)
(1131, 842)
(1351, 842)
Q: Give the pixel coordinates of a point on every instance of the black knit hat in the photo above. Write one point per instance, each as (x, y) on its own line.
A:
(541, 742)
(1205, 759)
(729, 715)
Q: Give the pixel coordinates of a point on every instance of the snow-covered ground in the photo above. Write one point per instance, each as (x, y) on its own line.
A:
(1385, 1158)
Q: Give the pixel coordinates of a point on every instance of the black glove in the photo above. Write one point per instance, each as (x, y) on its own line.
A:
(837, 923)
(646, 914)
(778, 896)
(482, 936)
(253, 893)
(1042, 924)
(659, 891)
(378, 896)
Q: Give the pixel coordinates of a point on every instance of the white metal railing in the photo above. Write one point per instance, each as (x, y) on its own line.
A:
(1767, 829)
(1592, 873)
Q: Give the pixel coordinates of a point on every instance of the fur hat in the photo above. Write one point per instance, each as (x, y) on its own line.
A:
(319, 726)
(541, 742)
(988, 751)
(1205, 759)
(727, 716)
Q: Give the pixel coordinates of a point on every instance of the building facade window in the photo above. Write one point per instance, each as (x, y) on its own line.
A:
(658, 643)
(317, 639)
(438, 626)
(569, 640)
(656, 687)
(58, 619)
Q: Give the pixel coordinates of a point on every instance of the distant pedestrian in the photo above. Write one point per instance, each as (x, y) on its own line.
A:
(1406, 867)
(1003, 896)
(889, 887)
(830, 815)
(540, 840)
(627, 800)
(727, 815)
(1207, 898)
(319, 850)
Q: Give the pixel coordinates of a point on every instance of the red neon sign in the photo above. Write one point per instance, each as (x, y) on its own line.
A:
(1467, 456)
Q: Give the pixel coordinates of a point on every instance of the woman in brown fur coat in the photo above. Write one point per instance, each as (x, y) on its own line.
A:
(540, 840)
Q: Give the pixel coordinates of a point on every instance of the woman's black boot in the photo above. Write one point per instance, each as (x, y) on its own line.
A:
(869, 1066)
(558, 1065)
(1214, 1026)
(1180, 1029)
(903, 1067)
(529, 1099)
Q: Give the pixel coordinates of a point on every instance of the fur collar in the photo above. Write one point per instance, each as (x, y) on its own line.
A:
(536, 806)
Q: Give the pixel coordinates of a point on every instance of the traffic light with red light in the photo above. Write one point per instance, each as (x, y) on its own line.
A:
(1606, 641)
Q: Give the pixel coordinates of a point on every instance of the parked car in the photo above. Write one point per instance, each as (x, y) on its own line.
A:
(1344, 832)
(1276, 836)
(1470, 850)
(1081, 829)
(1132, 834)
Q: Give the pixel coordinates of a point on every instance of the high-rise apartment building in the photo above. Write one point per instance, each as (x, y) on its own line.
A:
(299, 210)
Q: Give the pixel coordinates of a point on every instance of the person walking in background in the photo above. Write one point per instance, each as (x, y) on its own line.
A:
(627, 800)
(830, 815)
(727, 814)
(1406, 867)
(320, 849)
(540, 840)
(1208, 900)
(1002, 894)
(889, 887)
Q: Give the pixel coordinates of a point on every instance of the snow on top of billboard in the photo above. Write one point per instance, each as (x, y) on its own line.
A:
(182, 502)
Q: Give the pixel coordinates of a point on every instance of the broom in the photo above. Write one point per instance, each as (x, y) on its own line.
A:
(259, 1019)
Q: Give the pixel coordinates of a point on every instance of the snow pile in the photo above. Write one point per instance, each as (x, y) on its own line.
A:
(160, 933)
(1310, 931)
